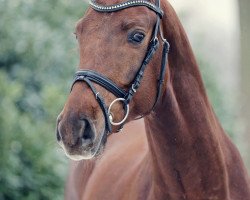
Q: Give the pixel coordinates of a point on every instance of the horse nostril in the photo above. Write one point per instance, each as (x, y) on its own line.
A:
(75, 133)
(58, 136)
(87, 134)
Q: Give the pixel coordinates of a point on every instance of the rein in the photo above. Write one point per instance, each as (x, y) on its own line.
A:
(123, 96)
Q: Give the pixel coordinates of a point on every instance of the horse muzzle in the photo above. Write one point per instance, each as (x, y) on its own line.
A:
(78, 137)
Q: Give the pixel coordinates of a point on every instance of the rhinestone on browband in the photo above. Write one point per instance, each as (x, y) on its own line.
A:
(120, 6)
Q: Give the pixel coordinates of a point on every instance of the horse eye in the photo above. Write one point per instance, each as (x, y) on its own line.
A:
(136, 37)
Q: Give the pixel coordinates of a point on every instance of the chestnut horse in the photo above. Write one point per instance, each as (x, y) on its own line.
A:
(183, 152)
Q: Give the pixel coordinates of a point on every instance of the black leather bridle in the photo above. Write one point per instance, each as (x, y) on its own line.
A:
(123, 96)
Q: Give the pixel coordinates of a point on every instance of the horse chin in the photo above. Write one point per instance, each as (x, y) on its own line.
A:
(79, 157)
(93, 152)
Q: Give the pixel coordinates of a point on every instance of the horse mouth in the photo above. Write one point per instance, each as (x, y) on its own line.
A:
(90, 151)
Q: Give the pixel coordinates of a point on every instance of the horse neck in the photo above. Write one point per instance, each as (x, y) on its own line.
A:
(183, 132)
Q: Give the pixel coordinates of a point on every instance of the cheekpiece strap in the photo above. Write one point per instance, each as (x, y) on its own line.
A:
(127, 4)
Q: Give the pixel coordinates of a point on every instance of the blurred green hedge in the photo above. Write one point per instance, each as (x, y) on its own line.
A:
(38, 55)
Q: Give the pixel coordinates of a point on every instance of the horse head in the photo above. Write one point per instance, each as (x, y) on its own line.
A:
(120, 74)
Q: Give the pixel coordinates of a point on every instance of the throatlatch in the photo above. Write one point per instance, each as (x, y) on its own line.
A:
(123, 96)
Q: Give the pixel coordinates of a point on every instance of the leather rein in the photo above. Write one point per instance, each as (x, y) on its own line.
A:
(89, 76)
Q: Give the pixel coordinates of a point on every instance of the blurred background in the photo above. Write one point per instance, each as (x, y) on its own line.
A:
(38, 57)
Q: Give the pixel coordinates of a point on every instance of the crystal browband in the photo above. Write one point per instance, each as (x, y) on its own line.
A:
(127, 4)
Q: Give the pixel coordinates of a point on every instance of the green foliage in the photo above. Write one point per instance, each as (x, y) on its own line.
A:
(37, 55)
(222, 107)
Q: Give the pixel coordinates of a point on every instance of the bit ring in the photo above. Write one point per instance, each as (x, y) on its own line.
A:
(111, 116)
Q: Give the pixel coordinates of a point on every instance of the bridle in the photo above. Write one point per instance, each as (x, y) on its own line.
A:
(123, 96)
(89, 76)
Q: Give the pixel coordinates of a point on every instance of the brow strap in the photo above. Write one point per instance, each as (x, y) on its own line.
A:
(121, 6)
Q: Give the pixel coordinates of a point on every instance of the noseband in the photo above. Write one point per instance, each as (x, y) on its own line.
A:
(123, 96)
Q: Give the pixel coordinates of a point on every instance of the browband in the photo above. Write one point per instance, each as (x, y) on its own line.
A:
(127, 4)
